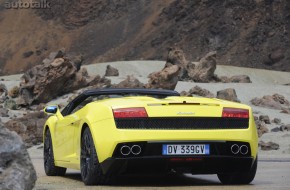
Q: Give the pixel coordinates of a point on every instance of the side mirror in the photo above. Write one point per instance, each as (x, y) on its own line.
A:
(51, 109)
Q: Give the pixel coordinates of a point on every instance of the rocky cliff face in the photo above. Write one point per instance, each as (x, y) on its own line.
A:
(252, 33)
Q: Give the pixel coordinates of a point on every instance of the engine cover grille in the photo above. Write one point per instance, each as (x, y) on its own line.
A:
(182, 123)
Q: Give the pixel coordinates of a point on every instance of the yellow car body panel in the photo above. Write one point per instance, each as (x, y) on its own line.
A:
(98, 116)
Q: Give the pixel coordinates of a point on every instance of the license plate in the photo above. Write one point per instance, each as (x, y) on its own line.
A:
(185, 149)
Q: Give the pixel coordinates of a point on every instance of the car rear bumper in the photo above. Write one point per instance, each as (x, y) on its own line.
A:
(162, 164)
(150, 159)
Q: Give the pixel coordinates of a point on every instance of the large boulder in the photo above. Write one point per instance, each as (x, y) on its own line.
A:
(130, 82)
(16, 169)
(176, 57)
(29, 127)
(58, 75)
(197, 90)
(228, 94)
(111, 71)
(268, 145)
(276, 101)
(99, 82)
(204, 70)
(164, 79)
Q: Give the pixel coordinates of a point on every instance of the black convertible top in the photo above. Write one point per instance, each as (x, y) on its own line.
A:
(123, 91)
(117, 91)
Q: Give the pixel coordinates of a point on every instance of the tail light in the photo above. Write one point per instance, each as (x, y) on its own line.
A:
(235, 112)
(129, 112)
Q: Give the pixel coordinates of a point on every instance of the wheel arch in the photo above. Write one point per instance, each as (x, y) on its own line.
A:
(84, 126)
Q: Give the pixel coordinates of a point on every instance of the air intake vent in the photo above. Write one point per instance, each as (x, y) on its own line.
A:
(185, 123)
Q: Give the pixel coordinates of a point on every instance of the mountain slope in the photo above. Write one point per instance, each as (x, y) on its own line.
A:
(252, 33)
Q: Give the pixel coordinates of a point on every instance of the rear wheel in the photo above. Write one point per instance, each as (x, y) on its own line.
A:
(49, 166)
(240, 178)
(91, 171)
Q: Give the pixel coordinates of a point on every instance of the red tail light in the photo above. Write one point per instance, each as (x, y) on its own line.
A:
(235, 112)
(129, 112)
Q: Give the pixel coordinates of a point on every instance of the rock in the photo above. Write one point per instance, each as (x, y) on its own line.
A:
(111, 71)
(29, 127)
(176, 57)
(57, 54)
(4, 112)
(16, 169)
(184, 93)
(276, 129)
(276, 121)
(130, 82)
(3, 90)
(261, 127)
(275, 101)
(40, 107)
(235, 79)
(27, 54)
(285, 127)
(228, 94)
(281, 99)
(57, 62)
(14, 92)
(164, 79)
(285, 110)
(240, 79)
(100, 82)
(265, 118)
(204, 70)
(201, 92)
(268, 146)
(10, 104)
(45, 82)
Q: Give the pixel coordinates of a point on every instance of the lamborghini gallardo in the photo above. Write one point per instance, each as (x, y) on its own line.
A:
(109, 132)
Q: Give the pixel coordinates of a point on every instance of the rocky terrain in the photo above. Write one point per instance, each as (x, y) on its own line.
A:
(62, 77)
(253, 33)
(195, 40)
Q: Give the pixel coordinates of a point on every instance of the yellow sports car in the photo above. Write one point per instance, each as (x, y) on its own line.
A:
(107, 132)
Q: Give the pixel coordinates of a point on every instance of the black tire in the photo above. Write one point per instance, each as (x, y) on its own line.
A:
(91, 171)
(239, 178)
(48, 157)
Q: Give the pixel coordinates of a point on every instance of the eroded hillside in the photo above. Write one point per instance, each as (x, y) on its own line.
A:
(252, 33)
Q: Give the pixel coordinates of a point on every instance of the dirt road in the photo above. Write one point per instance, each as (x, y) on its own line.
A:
(272, 174)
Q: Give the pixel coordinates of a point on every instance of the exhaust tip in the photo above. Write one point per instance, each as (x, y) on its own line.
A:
(125, 150)
(235, 149)
(244, 149)
(136, 149)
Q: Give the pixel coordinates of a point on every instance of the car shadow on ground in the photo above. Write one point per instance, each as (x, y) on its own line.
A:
(155, 180)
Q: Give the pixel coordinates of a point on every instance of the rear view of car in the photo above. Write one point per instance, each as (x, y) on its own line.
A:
(159, 131)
